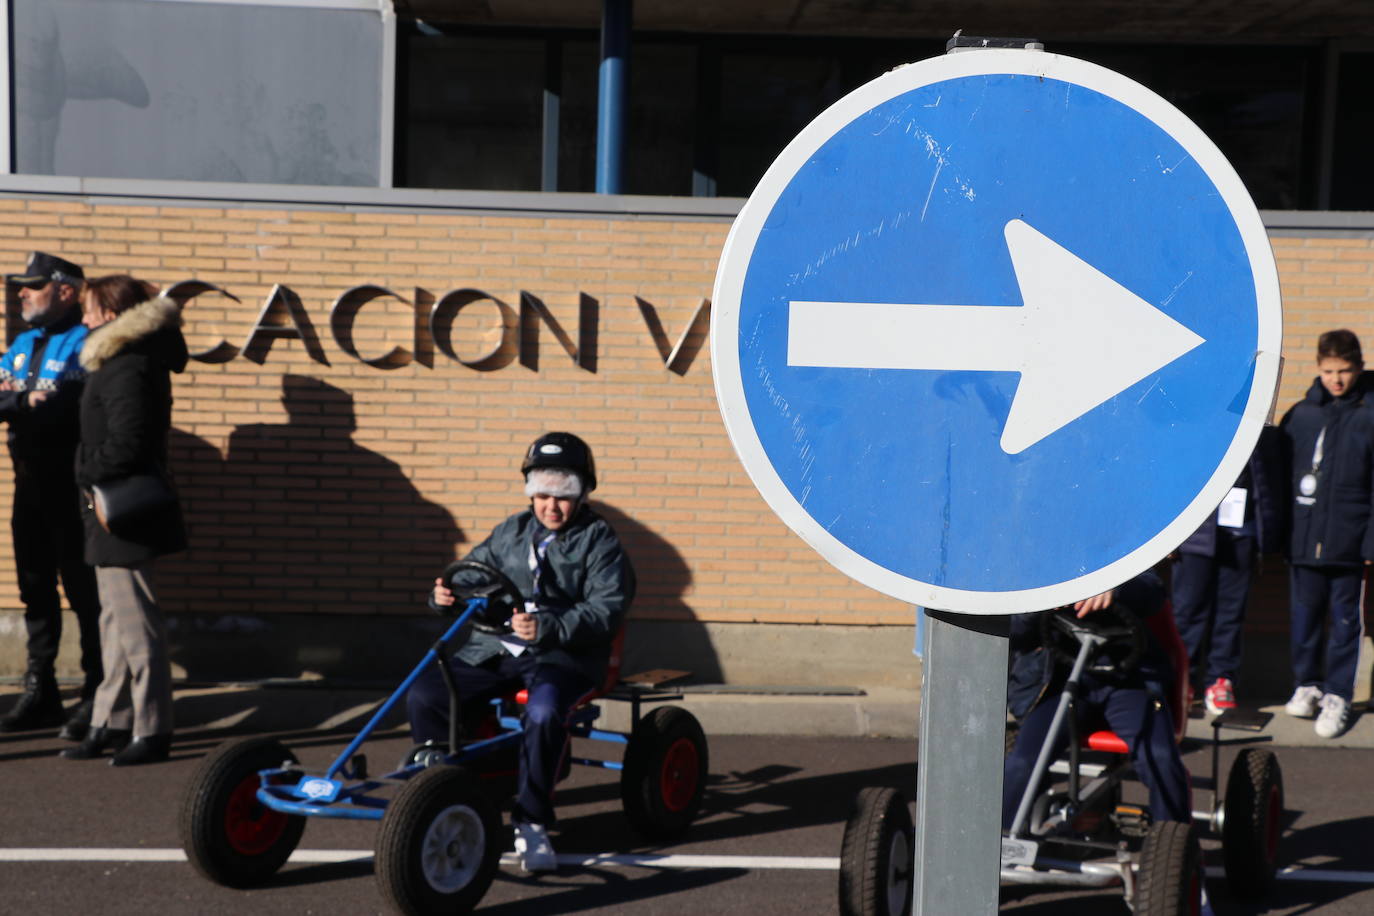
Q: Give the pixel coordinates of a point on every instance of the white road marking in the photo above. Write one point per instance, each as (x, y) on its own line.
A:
(757, 863)
(317, 856)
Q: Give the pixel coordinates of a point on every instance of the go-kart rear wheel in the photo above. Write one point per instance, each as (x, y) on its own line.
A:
(1169, 880)
(229, 836)
(439, 844)
(664, 773)
(1252, 821)
(876, 859)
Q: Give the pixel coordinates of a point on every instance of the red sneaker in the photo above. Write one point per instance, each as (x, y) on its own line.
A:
(1220, 697)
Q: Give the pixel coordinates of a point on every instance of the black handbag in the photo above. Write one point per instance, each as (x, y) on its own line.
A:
(122, 505)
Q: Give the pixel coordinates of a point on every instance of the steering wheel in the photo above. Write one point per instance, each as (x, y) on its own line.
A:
(474, 579)
(1062, 632)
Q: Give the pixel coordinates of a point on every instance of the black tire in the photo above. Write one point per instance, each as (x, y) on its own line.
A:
(229, 836)
(1251, 823)
(664, 773)
(439, 844)
(1169, 880)
(877, 858)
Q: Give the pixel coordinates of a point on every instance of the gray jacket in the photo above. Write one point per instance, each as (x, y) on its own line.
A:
(585, 590)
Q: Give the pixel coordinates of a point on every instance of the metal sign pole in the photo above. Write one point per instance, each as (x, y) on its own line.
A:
(959, 780)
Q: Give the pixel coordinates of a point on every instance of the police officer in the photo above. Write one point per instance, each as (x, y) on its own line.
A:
(40, 391)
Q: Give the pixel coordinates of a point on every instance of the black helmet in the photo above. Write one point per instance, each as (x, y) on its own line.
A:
(561, 450)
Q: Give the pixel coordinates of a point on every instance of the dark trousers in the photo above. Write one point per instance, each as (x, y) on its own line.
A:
(48, 542)
(1330, 595)
(1209, 596)
(1131, 712)
(552, 693)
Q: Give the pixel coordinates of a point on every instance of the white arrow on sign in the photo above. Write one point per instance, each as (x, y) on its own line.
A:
(1079, 339)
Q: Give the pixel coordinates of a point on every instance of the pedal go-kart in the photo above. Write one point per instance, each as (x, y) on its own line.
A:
(1078, 832)
(441, 836)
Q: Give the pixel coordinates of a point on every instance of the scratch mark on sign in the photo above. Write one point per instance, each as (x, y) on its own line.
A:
(1169, 169)
(889, 120)
(1174, 292)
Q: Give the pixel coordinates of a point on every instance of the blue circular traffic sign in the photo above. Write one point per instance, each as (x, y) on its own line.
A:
(996, 331)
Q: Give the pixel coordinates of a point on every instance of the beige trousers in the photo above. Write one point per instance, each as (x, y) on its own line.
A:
(137, 690)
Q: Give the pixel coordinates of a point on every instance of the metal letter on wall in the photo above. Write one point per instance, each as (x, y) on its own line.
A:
(186, 290)
(678, 357)
(297, 325)
(533, 311)
(446, 310)
(342, 315)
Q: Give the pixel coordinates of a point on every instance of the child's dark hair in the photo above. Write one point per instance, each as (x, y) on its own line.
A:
(1340, 344)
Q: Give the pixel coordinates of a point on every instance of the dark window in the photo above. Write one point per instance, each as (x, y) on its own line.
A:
(659, 133)
(709, 114)
(471, 112)
(765, 101)
(577, 134)
(1352, 182)
(1250, 101)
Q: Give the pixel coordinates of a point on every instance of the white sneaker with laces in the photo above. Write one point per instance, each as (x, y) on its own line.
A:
(533, 846)
(1304, 702)
(1334, 716)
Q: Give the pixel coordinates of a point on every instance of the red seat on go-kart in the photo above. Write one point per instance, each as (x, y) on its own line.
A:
(1179, 693)
(612, 674)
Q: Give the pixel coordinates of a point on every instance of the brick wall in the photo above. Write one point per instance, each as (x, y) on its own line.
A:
(316, 481)
(320, 480)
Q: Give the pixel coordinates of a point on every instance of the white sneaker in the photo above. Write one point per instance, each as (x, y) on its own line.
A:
(533, 846)
(1335, 713)
(1304, 702)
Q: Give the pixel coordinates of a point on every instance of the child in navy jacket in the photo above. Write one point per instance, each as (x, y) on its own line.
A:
(1330, 442)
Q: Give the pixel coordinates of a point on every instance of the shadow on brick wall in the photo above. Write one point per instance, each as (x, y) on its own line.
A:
(298, 518)
(663, 579)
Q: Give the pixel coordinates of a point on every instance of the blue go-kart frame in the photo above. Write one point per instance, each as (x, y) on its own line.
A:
(441, 836)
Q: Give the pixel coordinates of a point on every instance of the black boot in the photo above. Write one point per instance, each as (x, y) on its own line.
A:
(152, 749)
(39, 707)
(78, 721)
(97, 741)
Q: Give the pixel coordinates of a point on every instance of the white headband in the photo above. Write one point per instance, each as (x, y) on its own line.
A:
(560, 483)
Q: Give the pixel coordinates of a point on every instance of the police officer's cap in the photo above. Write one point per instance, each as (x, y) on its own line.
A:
(44, 268)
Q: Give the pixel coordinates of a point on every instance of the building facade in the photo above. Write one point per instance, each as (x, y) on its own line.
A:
(393, 282)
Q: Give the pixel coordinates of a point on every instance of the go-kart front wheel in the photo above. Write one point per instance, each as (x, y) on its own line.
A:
(229, 836)
(877, 857)
(440, 843)
(1169, 880)
(1252, 819)
(664, 773)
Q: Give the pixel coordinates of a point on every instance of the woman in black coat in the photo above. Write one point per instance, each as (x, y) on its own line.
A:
(134, 346)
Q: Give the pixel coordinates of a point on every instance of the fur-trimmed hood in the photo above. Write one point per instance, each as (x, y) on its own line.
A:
(157, 321)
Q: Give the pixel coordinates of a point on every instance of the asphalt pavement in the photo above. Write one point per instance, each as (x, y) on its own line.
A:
(81, 837)
(294, 705)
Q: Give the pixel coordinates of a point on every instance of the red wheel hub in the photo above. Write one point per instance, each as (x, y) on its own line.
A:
(250, 826)
(1273, 825)
(678, 779)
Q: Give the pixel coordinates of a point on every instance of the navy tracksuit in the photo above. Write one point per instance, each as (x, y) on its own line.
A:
(1129, 702)
(553, 691)
(1331, 538)
(1210, 579)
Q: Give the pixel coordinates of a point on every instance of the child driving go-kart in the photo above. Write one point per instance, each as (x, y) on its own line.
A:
(537, 624)
(578, 584)
(1130, 698)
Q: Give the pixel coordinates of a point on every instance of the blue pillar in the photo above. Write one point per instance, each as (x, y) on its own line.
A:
(613, 94)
